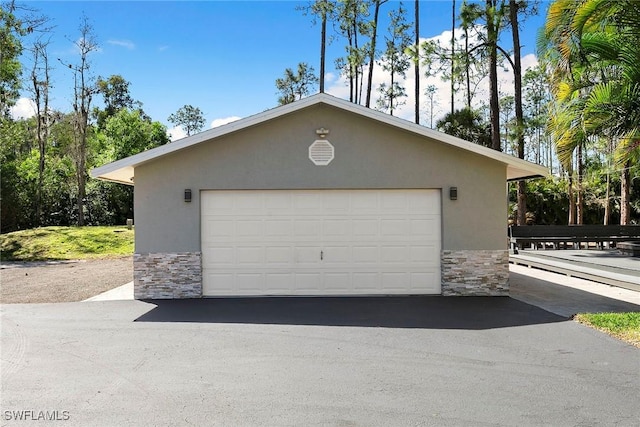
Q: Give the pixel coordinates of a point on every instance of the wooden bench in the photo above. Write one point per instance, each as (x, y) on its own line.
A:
(564, 236)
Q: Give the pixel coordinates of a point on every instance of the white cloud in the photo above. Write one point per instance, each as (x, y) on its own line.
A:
(162, 48)
(442, 98)
(23, 109)
(329, 77)
(127, 44)
(176, 133)
(223, 121)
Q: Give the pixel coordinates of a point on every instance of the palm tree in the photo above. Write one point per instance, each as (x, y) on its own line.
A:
(610, 37)
(560, 53)
(596, 49)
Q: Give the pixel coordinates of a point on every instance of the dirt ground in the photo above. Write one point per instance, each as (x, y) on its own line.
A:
(61, 281)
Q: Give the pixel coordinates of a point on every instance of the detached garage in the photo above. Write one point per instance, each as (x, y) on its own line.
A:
(319, 197)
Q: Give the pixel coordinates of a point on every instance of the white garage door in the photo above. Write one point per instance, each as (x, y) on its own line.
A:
(320, 242)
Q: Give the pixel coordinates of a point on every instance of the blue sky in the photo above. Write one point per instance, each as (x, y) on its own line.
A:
(220, 56)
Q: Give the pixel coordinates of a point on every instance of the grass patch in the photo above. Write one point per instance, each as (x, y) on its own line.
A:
(625, 326)
(65, 243)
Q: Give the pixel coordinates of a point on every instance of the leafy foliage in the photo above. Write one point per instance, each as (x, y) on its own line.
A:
(294, 86)
(395, 61)
(11, 31)
(592, 48)
(466, 124)
(188, 117)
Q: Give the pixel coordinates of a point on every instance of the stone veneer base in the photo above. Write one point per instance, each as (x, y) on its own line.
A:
(167, 275)
(475, 273)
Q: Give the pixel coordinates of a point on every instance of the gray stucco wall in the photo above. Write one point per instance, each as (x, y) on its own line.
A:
(274, 155)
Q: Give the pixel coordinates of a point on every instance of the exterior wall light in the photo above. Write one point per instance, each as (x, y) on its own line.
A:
(453, 193)
(187, 195)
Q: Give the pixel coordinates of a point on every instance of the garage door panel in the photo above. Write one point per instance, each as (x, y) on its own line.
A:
(320, 242)
(424, 281)
(337, 282)
(279, 255)
(390, 228)
(277, 201)
(309, 283)
(309, 255)
(251, 255)
(249, 283)
(366, 283)
(394, 254)
(247, 202)
(306, 228)
(424, 205)
(365, 254)
(335, 203)
(365, 228)
(364, 202)
(395, 281)
(219, 205)
(280, 283)
(336, 228)
(215, 228)
(392, 202)
(428, 254)
(423, 227)
(340, 255)
(278, 228)
(217, 257)
(307, 202)
(218, 284)
(249, 229)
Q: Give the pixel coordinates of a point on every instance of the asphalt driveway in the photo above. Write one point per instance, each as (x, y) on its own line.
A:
(322, 361)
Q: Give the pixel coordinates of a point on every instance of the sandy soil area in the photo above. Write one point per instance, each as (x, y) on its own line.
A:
(61, 281)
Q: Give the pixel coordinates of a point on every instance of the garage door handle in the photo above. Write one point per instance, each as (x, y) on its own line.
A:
(321, 255)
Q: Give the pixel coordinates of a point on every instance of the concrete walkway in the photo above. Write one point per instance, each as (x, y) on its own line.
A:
(557, 293)
(124, 292)
(565, 295)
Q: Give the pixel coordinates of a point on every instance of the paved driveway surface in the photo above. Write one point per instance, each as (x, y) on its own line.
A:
(295, 361)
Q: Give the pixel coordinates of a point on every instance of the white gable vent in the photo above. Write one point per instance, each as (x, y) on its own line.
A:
(321, 152)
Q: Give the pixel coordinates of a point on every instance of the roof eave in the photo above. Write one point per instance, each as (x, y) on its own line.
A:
(122, 171)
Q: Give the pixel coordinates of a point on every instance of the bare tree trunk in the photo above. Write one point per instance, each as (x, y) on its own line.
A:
(453, 53)
(416, 66)
(323, 45)
(580, 192)
(522, 203)
(517, 83)
(572, 201)
(494, 106)
(82, 181)
(607, 203)
(625, 195)
(391, 91)
(355, 47)
(40, 87)
(83, 93)
(37, 97)
(350, 68)
(467, 66)
(372, 52)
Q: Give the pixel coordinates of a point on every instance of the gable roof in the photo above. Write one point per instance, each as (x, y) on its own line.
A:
(123, 171)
